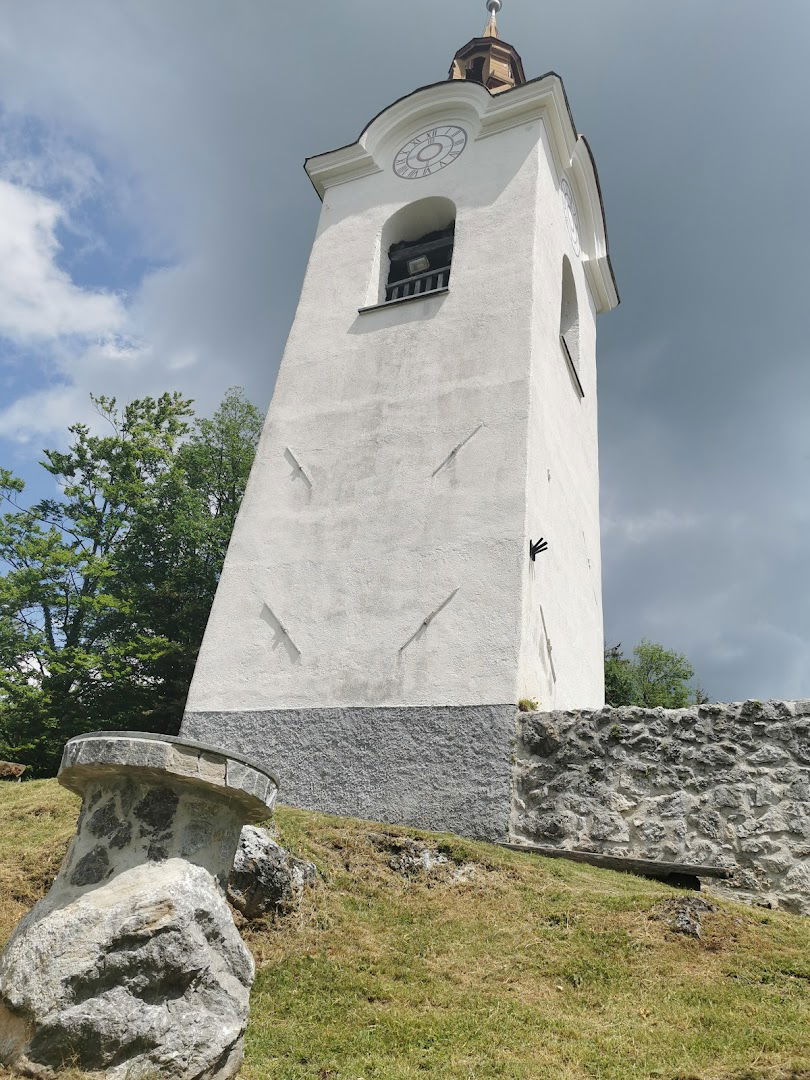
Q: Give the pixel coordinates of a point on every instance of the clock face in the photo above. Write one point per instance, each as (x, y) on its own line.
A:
(429, 152)
(571, 215)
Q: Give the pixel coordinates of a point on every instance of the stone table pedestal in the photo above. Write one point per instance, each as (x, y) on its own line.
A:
(131, 966)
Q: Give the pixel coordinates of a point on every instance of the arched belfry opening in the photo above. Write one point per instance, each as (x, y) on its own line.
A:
(569, 323)
(417, 247)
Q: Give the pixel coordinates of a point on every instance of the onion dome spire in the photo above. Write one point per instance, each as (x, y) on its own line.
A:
(488, 60)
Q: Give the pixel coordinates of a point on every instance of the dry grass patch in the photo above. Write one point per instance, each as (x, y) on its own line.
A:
(524, 969)
(37, 819)
(531, 968)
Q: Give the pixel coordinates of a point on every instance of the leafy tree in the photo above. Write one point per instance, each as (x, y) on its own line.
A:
(654, 676)
(106, 588)
(620, 688)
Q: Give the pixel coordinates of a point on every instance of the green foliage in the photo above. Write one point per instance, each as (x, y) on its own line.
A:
(655, 676)
(528, 705)
(106, 589)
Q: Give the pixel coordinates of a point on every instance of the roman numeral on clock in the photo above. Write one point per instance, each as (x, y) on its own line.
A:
(430, 151)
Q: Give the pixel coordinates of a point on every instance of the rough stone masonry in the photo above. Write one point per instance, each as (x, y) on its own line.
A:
(718, 785)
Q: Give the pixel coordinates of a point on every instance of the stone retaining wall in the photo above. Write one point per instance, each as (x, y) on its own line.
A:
(720, 785)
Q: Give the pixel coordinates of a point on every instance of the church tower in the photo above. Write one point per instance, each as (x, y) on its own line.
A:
(418, 546)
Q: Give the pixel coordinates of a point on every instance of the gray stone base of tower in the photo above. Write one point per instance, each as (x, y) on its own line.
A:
(445, 768)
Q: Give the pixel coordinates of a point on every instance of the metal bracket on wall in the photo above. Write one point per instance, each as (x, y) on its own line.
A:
(282, 633)
(427, 621)
(549, 647)
(298, 466)
(536, 549)
(456, 449)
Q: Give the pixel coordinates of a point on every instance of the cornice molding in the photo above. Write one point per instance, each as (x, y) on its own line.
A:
(340, 166)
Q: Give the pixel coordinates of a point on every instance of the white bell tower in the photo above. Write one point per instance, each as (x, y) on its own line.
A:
(386, 600)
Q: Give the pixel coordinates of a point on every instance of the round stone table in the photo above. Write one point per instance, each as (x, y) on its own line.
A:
(132, 963)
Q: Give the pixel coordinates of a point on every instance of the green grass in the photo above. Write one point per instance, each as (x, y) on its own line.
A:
(532, 969)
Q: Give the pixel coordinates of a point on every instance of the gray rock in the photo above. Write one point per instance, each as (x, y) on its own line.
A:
(768, 755)
(674, 806)
(719, 755)
(144, 974)
(539, 773)
(800, 787)
(540, 736)
(555, 826)
(653, 832)
(798, 878)
(642, 743)
(265, 878)
(710, 824)
(778, 863)
(604, 825)
(728, 797)
(753, 879)
(415, 859)
(683, 915)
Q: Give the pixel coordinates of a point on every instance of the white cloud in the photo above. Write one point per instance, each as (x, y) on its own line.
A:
(124, 369)
(76, 334)
(46, 410)
(644, 528)
(46, 160)
(38, 300)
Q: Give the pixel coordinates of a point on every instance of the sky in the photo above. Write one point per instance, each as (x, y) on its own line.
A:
(155, 223)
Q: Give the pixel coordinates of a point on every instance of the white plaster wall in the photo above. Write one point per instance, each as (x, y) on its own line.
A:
(327, 578)
(562, 662)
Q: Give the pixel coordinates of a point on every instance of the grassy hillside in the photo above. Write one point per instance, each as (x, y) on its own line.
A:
(524, 968)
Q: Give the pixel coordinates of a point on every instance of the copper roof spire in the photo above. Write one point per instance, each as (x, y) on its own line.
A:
(488, 60)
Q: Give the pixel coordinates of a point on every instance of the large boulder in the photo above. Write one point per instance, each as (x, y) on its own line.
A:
(146, 975)
(265, 878)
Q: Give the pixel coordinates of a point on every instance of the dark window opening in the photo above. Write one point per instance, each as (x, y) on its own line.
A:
(569, 324)
(475, 70)
(420, 266)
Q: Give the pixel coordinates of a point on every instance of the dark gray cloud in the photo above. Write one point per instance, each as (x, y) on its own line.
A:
(199, 113)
